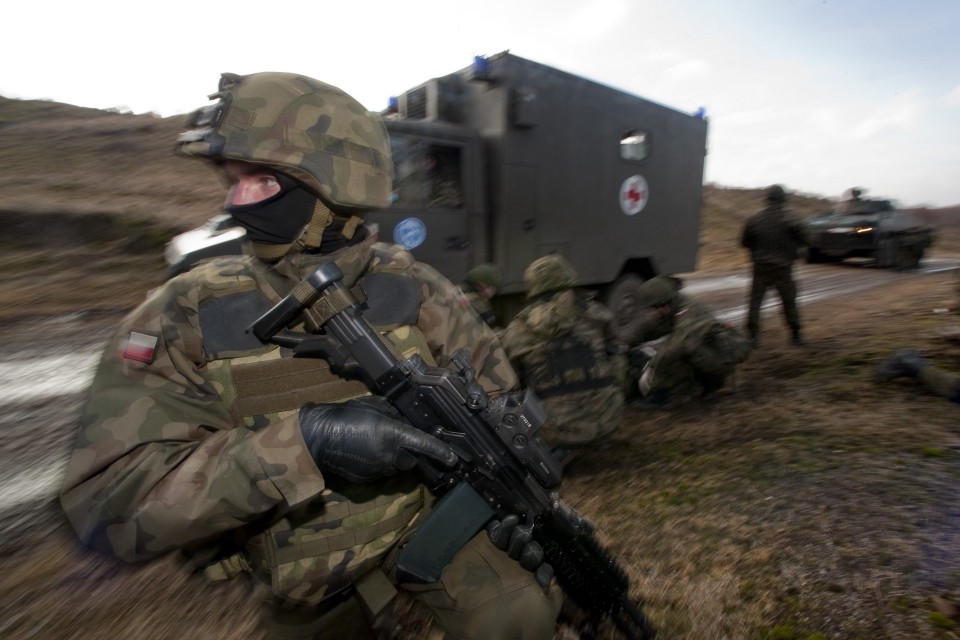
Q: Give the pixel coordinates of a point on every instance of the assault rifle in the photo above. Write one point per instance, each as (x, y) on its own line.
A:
(503, 466)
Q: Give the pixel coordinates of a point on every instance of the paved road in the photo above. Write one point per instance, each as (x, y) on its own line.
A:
(46, 366)
(727, 292)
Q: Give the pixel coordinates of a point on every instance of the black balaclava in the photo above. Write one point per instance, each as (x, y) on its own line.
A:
(279, 219)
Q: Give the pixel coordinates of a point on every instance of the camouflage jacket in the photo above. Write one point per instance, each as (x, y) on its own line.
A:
(564, 348)
(696, 342)
(773, 236)
(190, 437)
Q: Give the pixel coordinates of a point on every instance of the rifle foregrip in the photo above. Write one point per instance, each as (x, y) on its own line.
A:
(594, 581)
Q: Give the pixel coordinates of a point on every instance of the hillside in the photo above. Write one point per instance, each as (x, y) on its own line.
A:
(57, 160)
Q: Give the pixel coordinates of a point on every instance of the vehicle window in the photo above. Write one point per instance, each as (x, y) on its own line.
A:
(428, 175)
(634, 145)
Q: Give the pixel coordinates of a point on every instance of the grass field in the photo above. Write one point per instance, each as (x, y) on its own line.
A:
(805, 501)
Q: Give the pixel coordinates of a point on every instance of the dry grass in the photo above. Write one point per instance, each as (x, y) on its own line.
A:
(805, 502)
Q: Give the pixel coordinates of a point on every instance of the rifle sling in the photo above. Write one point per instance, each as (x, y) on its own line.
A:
(285, 384)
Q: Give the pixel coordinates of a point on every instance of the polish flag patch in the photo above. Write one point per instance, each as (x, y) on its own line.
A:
(141, 347)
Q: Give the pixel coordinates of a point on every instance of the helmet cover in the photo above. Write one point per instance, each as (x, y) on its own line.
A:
(549, 273)
(307, 129)
(658, 291)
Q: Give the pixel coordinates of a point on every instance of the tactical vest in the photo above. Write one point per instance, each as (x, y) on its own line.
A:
(329, 543)
(571, 371)
(566, 363)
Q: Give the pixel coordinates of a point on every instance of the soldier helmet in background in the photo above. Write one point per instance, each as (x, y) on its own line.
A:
(775, 193)
(658, 291)
(853, 193)
(486, 274)
(549, 273)
(332, 156)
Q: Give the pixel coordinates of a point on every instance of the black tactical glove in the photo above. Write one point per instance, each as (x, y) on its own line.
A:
(359, 443)
(517, 540)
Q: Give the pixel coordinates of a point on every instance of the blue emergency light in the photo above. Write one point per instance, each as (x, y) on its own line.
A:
(481, 67)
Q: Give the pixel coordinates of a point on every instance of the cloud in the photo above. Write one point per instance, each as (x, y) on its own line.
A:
(903, 112)
(590, 21)
(687, 71)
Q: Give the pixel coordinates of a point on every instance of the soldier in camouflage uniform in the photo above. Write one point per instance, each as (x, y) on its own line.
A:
(698, 352)
(908, 363)
(564, 346)
(478, 287)
(774, 236)
(198, 437)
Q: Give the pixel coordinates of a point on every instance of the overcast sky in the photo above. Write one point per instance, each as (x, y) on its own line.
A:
(819, 95)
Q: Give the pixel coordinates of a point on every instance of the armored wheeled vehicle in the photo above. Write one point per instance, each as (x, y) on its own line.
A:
(877, 229)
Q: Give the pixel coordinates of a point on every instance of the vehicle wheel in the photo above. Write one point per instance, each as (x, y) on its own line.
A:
(910, 258)
(815, 256)
(623, 299)
(884, 255)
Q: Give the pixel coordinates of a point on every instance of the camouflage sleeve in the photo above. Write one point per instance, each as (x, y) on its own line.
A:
(517, 342)
(691, 328)
(158, 462)
(448, 327)
(603, 318)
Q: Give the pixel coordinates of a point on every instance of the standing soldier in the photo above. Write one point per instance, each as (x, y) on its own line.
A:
(698, 352)
(773, 236)
(198, 437)
(478, 288)
(563, 345)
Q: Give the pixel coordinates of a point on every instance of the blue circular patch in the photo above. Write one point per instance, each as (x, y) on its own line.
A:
(410, 233)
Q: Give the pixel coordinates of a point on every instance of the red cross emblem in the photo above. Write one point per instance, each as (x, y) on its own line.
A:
(633, 195)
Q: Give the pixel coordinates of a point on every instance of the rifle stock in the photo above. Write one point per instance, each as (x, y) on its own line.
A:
(500, 455)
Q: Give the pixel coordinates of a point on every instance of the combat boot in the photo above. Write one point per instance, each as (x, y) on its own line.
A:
(904, 362)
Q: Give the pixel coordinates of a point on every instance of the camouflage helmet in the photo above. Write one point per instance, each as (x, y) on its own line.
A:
(658, 291)
(548, 273)
(486, 273)
(310, 130)
(775, 193)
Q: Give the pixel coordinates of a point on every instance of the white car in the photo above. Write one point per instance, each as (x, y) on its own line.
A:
(220, 236)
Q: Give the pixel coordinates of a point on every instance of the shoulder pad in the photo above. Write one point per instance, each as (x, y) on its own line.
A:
(391, 256)
(392, 298)
(229, 300)
(230, 272)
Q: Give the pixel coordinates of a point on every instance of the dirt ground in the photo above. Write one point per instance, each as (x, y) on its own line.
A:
(804, 501)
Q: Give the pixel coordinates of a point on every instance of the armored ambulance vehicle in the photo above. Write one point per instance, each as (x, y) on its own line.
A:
(508, 160)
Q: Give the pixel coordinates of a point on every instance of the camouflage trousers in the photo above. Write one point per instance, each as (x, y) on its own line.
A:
(943, 383)
(481, 594)
(678, 380)
(779, 277)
